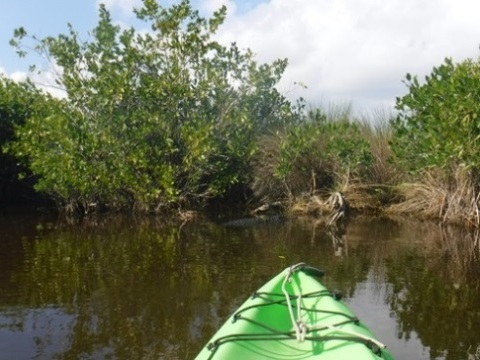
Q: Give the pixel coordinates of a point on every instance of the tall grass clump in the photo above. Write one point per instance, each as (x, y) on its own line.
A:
(439, 196)
(322, 152)
(377, 131)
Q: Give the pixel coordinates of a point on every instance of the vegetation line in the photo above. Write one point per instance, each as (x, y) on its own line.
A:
(171, 119)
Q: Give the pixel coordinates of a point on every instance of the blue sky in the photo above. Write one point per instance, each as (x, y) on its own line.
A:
(50, 17)
(42, 18)
(355, 51)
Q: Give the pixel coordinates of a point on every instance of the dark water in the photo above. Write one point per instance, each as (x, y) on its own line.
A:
(143, 289)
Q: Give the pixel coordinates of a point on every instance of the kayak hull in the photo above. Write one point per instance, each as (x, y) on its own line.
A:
(294, 316)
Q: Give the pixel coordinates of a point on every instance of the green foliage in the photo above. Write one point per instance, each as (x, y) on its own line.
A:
(438, 124)
(18, 102)
(321, 149)
(15, 106)
(152, 117)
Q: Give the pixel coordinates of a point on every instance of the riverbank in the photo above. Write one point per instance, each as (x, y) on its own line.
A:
(430, 199)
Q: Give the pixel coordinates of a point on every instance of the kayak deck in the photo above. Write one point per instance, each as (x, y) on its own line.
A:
(293, 316)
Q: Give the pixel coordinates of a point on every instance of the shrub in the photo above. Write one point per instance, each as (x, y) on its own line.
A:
(438, 121)
(151, 118)
(18, 102)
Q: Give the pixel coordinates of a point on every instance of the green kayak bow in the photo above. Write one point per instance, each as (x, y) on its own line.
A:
(293, 316)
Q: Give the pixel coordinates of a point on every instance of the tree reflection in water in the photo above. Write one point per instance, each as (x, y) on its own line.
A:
(127, 289)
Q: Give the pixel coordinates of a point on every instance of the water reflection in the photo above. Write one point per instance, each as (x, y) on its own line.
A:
(436, 293)
(128, 289)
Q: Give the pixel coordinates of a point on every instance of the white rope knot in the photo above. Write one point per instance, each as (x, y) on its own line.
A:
(301, 330)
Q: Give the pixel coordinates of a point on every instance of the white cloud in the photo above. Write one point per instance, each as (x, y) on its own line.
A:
(357, 50)
(45, 80)
(19, 76)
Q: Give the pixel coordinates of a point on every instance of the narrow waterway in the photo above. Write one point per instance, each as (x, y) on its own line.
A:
(149, 289)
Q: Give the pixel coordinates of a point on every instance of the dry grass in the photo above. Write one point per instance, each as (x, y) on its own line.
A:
(359, 198)
(453, 200)
(265, 185)
(377, 131)
(310, 205)
(369, 198)
(330, 210)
